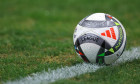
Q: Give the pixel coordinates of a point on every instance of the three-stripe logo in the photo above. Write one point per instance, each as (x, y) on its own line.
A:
(109, 33)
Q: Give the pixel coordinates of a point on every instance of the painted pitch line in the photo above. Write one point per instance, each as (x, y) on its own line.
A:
(68, 72)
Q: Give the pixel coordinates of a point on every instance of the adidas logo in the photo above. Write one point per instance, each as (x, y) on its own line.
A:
(109, 33)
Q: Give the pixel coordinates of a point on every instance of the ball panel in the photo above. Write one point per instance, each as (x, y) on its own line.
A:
(81, 53)
(79, 30)
(97, 24)
(108, 17)
(96, 16)
(91, 38)
(103, 33)
(110, 59)
(90, 50)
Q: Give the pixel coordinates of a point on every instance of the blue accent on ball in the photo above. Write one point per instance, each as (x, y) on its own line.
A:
(75, 47)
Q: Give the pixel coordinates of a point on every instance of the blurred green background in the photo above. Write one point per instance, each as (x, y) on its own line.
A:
(37, 34)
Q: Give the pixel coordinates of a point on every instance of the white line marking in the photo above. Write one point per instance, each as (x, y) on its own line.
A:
(68, 72)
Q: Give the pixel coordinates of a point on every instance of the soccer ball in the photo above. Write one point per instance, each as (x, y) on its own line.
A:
(99, 38)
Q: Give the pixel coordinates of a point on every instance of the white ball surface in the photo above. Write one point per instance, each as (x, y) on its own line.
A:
(99, 38)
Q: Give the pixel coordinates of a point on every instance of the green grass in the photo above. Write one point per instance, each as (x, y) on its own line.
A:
(37, 34)
(127, 73)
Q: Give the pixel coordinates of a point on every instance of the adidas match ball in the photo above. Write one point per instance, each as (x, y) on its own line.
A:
(99, 38)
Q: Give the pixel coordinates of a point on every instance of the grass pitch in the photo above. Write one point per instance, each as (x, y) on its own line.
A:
(37, 35)
(122, 74)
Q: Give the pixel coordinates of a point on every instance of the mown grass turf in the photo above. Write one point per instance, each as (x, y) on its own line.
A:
(37, 34)
(127, 73)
